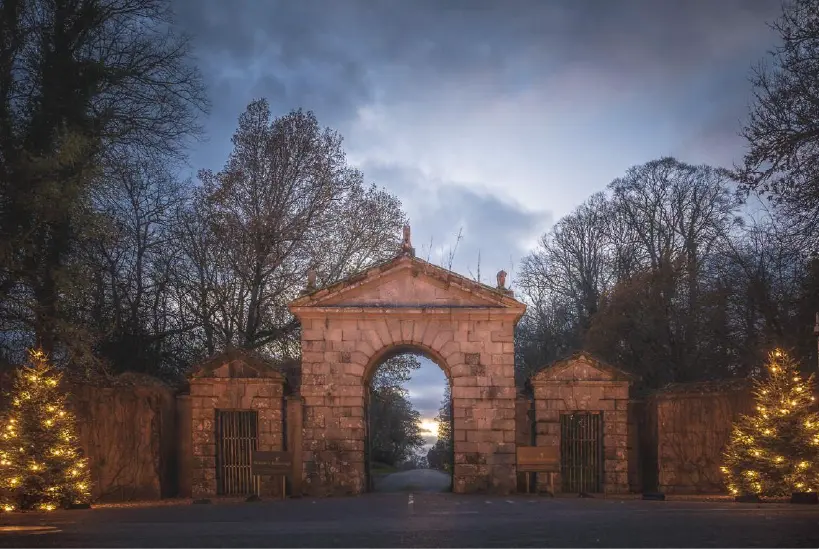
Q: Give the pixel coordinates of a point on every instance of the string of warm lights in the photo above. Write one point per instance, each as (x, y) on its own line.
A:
(41, 466)
(775, 451)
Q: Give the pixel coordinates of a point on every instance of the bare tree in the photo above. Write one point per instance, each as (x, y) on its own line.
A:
(782, 131)
(134, 310)
(83, 84)
(561, 281)
(678, 213)
(571, 263)
(285, 201)
(632, 275)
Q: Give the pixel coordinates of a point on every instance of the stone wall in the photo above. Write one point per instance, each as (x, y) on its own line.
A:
(126, 427)
(127, 430)
(582, 383)
(233, 381)
(692, 424)
(184, 445)
(637, 448)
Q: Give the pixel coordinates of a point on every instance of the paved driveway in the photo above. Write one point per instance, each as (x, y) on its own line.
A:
(431, 520)
(416, 480)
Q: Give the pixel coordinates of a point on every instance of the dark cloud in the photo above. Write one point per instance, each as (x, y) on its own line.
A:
(427, 388)
(335, 55)
(428, 406)
(494, 117)
(492, 229)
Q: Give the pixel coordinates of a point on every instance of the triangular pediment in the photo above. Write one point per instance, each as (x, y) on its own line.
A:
(407, 282)
(235, 363)
(580, 366)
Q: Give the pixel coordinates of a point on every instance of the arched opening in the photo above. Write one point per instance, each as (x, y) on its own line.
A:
(409, 443)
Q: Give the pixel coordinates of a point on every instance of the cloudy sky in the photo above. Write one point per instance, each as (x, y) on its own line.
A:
(494, 118)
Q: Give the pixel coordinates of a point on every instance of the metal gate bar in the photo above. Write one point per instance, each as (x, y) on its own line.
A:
(581, 452)
(237, 438)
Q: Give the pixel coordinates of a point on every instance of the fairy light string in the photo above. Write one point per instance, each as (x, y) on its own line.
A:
(775, 450)
(41, 465)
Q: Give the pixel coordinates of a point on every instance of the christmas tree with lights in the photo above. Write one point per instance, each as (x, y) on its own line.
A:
(41, 466)
(775, 452)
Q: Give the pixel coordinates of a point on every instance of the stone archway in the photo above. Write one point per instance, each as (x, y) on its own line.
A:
(376, 361)
(467, 327)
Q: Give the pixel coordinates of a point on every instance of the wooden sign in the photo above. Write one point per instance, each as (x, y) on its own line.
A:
(271, 463)
(538, 459)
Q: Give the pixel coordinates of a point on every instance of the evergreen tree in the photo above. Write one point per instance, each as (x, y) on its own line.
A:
(41, 466)
(775, 451)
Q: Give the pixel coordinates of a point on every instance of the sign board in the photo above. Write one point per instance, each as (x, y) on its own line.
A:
(538, 459)
(271, 463)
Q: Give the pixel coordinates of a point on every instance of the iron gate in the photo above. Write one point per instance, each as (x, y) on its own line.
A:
(237, 437)
(581, 452)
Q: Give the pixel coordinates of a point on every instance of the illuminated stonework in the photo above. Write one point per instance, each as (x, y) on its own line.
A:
(407, 304)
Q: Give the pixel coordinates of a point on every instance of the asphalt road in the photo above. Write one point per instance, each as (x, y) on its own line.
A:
(431, 520)
(415, 480)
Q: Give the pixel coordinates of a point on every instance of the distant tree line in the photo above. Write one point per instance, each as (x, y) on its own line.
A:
(682, 273)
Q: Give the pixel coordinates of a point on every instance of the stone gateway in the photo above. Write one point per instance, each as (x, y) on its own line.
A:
(315, 411)
(407, 304)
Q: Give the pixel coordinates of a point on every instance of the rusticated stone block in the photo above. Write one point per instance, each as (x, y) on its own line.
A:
(203, 437)
(201, 389)
(264, 402)
(491, 348)
(356, 370)
(313, 335)
(459, 392)
(351, 422)
(471, 347)
(604, 405)
(450, 348)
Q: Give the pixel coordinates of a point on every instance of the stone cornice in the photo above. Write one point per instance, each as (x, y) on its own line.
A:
(579, 382)
(402, 312)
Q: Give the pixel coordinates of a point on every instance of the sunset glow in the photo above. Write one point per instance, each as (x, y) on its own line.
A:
(429, 426)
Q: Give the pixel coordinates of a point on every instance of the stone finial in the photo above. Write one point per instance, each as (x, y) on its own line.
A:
(501, 280)
(406, 243)
(311, 279)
